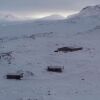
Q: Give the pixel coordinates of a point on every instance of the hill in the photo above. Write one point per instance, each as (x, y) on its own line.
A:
(29, 48)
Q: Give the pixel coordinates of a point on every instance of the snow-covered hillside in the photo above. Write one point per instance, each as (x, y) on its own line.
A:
(29, 47)
(8, 17)
(89, 11)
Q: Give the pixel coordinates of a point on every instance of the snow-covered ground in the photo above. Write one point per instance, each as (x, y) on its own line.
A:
(33, 45)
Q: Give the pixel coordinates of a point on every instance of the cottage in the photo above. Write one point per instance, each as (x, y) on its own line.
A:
(58, 69)
(14, 76)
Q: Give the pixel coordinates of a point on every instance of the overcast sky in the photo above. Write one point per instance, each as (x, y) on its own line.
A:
(44, 7)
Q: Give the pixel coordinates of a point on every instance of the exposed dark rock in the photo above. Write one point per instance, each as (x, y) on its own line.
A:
(38, 35)
(6, 56)
(83, 79)
(68, 49)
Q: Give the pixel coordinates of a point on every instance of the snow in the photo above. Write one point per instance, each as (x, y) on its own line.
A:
(89, 11)
(53, 17)
(80, 78)
(11, 17)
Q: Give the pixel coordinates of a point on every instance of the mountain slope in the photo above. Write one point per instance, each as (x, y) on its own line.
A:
(89, 11)
(8, 17)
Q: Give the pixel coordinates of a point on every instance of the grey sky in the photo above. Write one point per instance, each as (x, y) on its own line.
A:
(44, 6)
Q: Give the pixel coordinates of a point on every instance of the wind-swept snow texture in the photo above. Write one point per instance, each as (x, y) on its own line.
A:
(32, 46)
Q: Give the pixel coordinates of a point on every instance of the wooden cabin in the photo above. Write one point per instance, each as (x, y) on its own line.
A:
(58, 69)
(14, 76)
